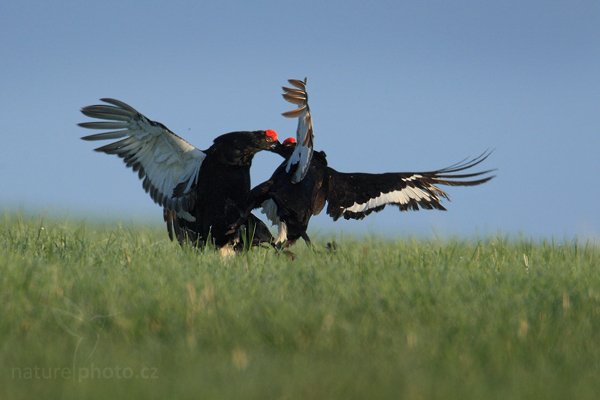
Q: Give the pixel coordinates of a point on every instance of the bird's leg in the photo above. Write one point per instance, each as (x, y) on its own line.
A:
(239, 222)
(281, 248)
(331, 246)
(307, 241)
(169, 216)
(255, 197)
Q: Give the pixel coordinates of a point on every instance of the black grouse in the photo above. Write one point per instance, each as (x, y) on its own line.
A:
(202, 191)
(303, 183)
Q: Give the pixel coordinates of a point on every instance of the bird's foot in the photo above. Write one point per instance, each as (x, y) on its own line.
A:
(331, 246)
(233, 228)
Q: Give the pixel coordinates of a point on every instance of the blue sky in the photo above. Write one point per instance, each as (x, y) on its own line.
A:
(394, 85)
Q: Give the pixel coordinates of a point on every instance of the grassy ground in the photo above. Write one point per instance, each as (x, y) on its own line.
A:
(97, 312)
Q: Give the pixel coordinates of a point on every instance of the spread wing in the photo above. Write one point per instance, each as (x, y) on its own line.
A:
(167, 164)
(356, 195)
(299, 161)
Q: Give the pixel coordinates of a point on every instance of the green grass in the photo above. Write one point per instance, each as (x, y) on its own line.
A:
(98, 311)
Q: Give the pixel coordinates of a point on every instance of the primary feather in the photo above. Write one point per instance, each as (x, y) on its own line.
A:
(298, 163)
(162, 159)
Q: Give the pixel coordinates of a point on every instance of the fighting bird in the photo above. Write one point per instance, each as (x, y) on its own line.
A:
(303, 183)
(202, 192)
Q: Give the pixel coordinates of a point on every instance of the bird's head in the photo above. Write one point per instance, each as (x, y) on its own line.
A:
(240, 147)
(286, 148)
(270, 138)
(289, 142)
(264, 140)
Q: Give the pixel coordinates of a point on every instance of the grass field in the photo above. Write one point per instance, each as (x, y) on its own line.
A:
(102, 312)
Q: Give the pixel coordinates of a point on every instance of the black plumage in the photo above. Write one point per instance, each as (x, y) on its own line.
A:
(290, 205)
(202, 191)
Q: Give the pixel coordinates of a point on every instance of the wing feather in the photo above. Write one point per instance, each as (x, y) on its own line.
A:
(300, 159)
(295, 99)
(295, 114)
(356, 195)
(162, 159)
(107, 135)
(298, 83)
(104, 125)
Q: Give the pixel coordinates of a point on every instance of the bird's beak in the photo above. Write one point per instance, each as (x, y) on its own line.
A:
(275, 145)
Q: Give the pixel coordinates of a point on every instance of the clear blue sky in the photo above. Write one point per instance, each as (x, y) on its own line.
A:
(395, 86)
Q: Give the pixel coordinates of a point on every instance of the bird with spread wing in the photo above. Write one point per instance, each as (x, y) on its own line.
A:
(202, 192)
(302, 185)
